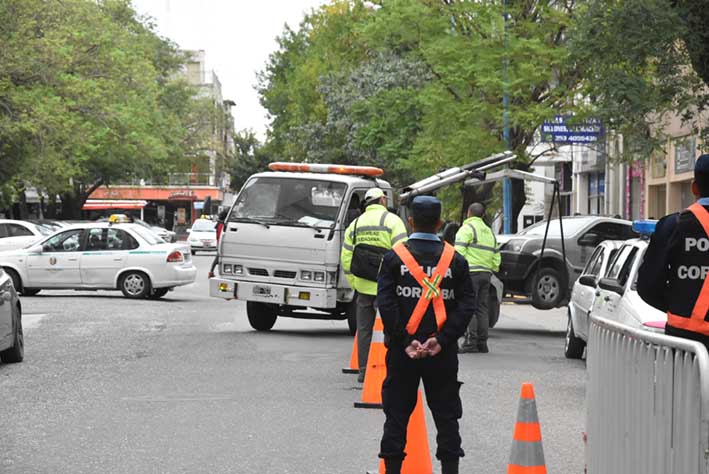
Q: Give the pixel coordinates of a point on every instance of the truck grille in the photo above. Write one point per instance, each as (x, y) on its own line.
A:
(284, 274)
(258, 271)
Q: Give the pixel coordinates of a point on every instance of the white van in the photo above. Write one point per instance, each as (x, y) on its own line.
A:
(280, 249)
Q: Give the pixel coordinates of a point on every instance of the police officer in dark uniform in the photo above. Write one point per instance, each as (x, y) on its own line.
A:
(426, 301)
(676, 264)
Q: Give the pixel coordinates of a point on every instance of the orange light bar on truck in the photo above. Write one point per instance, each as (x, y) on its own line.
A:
(323, 168)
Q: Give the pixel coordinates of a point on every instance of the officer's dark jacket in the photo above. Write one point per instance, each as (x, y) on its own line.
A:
(662, 279)
(395, 310)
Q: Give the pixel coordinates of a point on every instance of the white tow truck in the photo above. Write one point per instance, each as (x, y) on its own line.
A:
(280, 249)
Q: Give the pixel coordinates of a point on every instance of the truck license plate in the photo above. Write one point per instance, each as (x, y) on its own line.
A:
(267, 294)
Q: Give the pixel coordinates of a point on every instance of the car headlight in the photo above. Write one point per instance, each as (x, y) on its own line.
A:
(306, 275)
(238, 269)
(227, 269)
(319, 276)
(514, 245)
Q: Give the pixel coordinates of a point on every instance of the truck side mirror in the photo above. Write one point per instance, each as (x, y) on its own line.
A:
(589, 240)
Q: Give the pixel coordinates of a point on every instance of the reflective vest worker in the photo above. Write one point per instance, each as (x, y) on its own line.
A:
(476, 242)
(425, 299)
(673, 275)
(367, 239)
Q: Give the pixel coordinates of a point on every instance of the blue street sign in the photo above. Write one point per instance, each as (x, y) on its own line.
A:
(557, 131)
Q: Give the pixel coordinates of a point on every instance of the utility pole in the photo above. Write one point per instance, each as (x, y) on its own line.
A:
(507, 182)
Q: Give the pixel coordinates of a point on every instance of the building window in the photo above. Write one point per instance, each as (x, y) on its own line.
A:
(658, 165)
(596, 193)
(685, 151)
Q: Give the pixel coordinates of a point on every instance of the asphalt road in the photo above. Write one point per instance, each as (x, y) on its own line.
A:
(184, 385)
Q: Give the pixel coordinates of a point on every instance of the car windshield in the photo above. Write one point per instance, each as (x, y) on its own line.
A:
(45, 229)
(290, 201)
(147, 235)
(570, 227)
(204, 225)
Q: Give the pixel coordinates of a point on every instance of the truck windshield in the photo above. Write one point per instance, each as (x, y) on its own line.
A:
(289, 201)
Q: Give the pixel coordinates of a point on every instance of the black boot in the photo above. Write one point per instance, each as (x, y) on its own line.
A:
(448, 466)
(482, 347)
(469, 345)
(393, 466)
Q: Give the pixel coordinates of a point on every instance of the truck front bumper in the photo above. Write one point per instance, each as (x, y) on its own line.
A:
(228, 289)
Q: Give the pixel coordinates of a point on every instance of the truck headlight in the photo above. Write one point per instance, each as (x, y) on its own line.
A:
(515, 245)
(331, 278)
(319, 276)
(306, 275)
(238, 270)
(227, 269)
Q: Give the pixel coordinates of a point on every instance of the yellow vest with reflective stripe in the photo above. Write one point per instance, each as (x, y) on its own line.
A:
(476, 242)
(377, 227)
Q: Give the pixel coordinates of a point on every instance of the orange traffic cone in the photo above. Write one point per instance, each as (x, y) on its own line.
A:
(376, 369)
(354, 363)
(418, 456)
(527, 455)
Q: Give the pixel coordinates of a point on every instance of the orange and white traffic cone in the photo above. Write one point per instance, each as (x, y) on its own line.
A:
(418, 456)
(376, 369)
(527, 455)
(354, 363)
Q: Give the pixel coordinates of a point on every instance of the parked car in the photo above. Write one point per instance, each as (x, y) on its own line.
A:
(101, 255)
(549, 281)
(12, 343)
(16, 234)
(203, 235)
(163, 233)
(583, 295)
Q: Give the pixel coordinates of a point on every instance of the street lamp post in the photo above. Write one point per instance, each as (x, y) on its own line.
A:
(507, 182)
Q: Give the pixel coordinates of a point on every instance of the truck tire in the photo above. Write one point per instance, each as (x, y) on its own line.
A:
(547, 288)
(493, 308)
(351, 312)
(262, 316)
(573, 346)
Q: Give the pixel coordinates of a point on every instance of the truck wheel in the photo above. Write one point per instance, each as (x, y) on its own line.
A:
(547, 288)
(351, 312)
(17, 352)
(573, 346)
(262, 316)
(493, 308)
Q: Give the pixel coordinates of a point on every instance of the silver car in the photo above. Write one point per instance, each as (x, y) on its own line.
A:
(548, 281)
(12, 348)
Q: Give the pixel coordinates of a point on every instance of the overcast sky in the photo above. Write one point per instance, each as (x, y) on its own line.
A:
(237, 37)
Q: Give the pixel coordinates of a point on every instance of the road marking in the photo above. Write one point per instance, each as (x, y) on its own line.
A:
(31, 320)
(179, 398)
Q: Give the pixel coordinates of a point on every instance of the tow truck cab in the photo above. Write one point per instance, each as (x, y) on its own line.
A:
(280, 249)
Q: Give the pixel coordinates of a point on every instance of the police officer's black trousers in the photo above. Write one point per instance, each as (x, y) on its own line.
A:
(399, 393)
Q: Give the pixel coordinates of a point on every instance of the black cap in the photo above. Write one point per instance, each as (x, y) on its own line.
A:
(425, 208)
(702, 164)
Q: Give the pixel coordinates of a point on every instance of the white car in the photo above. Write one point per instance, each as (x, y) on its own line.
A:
(12, 347)
(583, 295)
(101, 255)
(617, 297)
(203, 235)
(17, 234)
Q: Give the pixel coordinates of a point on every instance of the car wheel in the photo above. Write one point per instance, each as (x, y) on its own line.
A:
(573, 346)
(16, 353)
(30, 291)
(135, 285)
(351, 312)
(262, 316)
(493, 308)
(158, 293)
(547, 288)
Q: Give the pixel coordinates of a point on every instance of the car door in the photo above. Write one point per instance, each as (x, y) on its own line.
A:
(584, 291)
(608, 298)
(58, 263)
(105, 254)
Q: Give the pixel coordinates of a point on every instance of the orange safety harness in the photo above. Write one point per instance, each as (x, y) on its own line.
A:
(696, 321)
(431, 286)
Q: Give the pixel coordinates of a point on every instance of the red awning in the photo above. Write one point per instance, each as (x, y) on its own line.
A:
(102, 205)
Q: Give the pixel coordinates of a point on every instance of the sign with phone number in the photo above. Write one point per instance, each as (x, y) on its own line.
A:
(557, 131)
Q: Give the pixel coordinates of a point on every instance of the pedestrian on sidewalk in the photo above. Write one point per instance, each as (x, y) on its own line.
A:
(367, 239)
(477, 243)
(425, 299)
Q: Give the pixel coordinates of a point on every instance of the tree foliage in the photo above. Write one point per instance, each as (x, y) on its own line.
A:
(250, 157)
(88, 96)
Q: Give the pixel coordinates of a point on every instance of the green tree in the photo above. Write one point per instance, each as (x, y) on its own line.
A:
(250, 157)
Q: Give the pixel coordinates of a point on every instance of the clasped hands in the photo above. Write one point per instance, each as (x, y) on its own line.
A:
(416, 350)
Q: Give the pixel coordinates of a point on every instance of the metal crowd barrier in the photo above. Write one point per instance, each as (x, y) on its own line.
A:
(647, 402)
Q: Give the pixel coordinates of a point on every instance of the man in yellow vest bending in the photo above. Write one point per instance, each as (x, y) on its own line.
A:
(476, 242)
